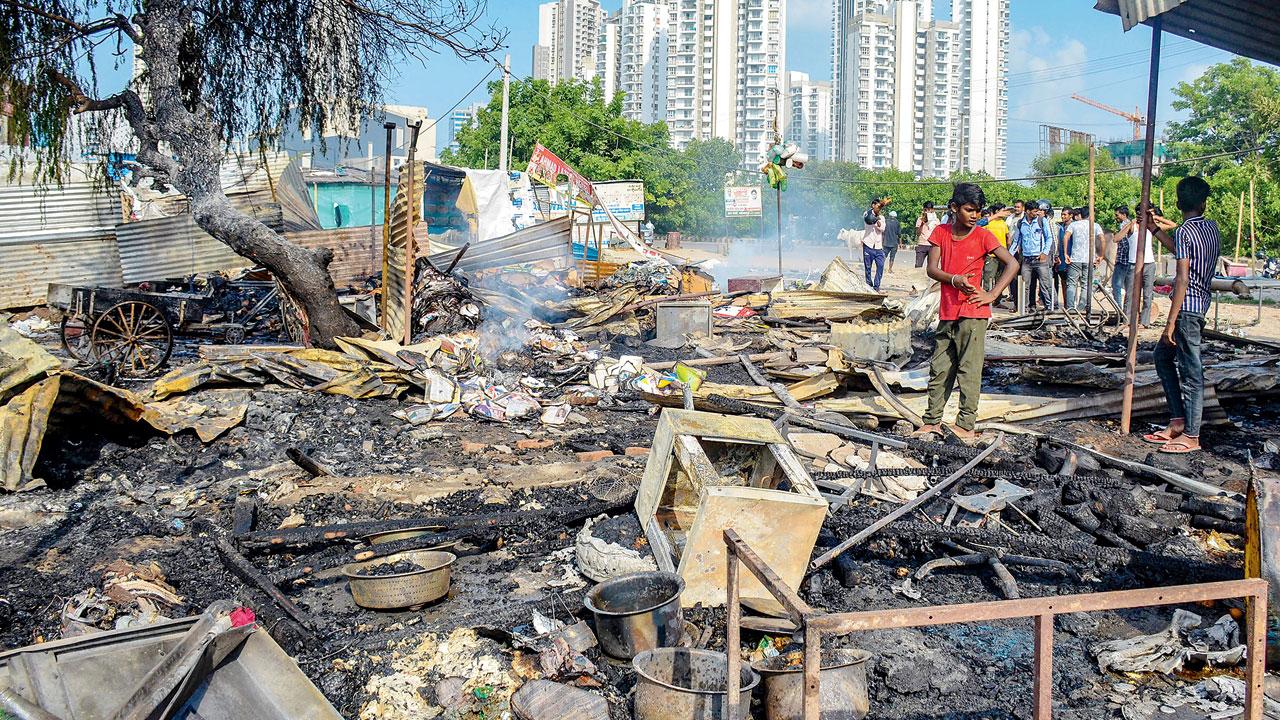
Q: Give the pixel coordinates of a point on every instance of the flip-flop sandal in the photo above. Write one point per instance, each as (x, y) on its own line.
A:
(1176, 447)
(1158, 438)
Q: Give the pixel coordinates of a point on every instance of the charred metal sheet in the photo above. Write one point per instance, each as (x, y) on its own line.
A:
(33, 259)
(74, 206)
(171, 247)
(548, 241)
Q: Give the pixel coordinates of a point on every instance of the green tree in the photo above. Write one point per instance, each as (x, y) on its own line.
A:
(1232, 107)
(1110, 188)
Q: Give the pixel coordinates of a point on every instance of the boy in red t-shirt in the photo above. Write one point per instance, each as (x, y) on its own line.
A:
(956, 258)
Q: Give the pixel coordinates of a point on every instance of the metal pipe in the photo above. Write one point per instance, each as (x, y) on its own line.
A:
(386, 219)
(1088, 291)
(1135, 305)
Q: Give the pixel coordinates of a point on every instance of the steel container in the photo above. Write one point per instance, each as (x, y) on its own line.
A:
(842, 684)
(688, 684)
(405, 534)
(403, 590)
(637, 612)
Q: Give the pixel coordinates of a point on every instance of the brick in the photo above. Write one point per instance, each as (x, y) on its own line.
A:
(473, 447)
(532, 444)
(636, 451)
(594, 455)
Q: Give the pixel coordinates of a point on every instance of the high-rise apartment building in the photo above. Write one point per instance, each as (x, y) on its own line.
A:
(544, 53)
(459, 119)
(903, 77)
(810, 105)
(725, 61)
(643, 27)
(609, 54)
(568, 40)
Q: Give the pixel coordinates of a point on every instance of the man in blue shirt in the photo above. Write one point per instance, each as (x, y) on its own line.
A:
(1033, 239)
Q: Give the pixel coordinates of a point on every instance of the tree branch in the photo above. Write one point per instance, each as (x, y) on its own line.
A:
(444, 38)
(117, 22)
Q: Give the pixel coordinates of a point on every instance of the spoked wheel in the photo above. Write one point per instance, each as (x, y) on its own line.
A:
(76, 331)
(134, 336)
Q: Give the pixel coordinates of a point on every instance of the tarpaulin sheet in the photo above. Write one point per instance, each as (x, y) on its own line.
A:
(487, 196)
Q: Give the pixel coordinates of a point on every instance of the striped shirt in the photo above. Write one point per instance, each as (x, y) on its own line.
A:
(1199, 242)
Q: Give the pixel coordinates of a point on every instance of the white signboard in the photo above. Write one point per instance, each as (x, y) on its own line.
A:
(624, 198)
(741, 202)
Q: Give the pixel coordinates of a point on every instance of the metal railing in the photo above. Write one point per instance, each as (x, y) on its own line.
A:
(815, 624)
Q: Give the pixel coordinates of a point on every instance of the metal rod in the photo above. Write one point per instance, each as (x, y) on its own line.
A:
(733, 634)
(386, 219)
(410, 249)
(812, 672)
(906, 508)
(1135, 304)
(1043, 681)
(1256, 662)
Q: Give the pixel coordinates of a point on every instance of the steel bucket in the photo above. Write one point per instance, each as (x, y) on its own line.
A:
(637, 612)
(687, 684)
(842, 686)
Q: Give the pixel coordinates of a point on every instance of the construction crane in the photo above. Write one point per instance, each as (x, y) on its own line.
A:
(1134, 117)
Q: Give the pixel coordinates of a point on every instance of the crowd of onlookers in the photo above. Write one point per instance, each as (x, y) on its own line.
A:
(1052, 247)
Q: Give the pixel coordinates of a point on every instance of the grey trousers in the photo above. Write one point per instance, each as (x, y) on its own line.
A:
(1182, 372)
(1076, 293)
(1043, 274)
(1122, 284)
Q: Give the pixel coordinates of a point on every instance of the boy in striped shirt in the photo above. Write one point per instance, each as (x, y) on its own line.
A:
(1196, 245)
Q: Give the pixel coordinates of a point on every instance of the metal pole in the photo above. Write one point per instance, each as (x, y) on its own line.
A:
(1253, 232)
(410, 246)
(777, 139)
(1093, 248)
(386, 218)
(733, 641)
(1135, 304)
(1239, 227)
(504, 158)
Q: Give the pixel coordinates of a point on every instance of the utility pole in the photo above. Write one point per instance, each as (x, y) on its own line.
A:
(386, 217)
(777, 140)
(503, 159)
(1093, 247)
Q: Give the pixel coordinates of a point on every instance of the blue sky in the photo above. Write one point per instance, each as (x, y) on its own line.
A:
(1056, 48)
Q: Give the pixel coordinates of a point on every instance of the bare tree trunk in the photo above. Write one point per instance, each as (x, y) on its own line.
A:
(196, 152)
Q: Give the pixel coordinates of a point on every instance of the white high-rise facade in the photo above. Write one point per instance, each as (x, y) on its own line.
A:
(568, 40)
(643, 65)
(908, 94)
(609, 55)
(725, 60)
(810, 105)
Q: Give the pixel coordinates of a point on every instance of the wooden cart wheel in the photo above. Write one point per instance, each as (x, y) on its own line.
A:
(133, 335)
(76, 331)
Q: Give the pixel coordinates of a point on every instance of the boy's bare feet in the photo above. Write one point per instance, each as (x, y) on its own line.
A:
(934, 429)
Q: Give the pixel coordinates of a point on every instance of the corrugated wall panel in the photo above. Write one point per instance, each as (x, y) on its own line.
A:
(72, 257)
(357, 254)
(546, 241)
(171, 248)
(30, 208)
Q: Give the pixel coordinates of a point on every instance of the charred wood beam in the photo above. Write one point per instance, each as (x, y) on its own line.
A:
(309, 464)
(246, 571)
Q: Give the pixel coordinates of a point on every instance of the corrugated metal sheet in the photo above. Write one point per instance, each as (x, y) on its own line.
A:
(79, 206)
(548, 241)
(1244, 27)
(357, 252)
(406, 212)
(81, 257)
(171, 248)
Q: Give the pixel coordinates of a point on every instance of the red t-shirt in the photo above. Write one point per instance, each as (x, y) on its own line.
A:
(962, 257)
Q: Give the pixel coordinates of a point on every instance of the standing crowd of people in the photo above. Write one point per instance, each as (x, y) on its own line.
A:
(979, 252)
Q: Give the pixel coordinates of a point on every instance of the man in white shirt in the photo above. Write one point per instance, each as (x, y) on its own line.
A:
(1080, 253)
(1129, 248)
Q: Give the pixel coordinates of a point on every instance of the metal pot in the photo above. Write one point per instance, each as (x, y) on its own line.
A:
(842, 686)
(637, 612)
(688, 684)
(404, 590)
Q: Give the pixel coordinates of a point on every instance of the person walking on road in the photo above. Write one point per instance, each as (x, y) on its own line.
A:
(925, 225)
(873, 242)
(1033, 239)
(892, 235)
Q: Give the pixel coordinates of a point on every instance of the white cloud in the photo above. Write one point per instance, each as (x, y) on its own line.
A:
(1038, 63)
